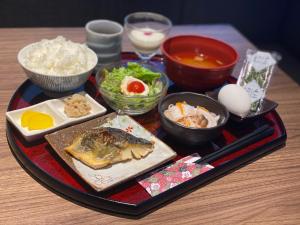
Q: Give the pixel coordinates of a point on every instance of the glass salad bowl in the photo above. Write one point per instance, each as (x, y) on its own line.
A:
(109, 81)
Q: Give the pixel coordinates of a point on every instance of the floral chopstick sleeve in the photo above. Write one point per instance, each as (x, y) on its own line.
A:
(172, 175)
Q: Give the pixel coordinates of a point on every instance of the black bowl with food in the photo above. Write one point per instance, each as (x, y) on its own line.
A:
(192, 118)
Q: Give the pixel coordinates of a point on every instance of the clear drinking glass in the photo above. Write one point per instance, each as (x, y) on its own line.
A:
(146, 31)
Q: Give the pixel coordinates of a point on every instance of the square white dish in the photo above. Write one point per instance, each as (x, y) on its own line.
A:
(54, 108)
(104, 178)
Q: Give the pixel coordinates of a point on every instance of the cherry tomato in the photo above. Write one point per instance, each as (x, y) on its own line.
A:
(135, 87)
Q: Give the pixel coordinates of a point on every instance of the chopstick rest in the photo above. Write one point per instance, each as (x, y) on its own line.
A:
(173, 175)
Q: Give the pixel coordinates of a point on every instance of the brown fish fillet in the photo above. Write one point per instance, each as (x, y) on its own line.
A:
(101, 147)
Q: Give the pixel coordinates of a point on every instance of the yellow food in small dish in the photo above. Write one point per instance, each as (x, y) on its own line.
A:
(33, 120)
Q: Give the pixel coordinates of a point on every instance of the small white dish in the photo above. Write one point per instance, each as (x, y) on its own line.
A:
(54, 108)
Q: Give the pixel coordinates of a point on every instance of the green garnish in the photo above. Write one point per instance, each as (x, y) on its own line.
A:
(113, 79)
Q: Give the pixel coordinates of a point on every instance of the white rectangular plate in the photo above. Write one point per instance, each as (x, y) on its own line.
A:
(54, 108)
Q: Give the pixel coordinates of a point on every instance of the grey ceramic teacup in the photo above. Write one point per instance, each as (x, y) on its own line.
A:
(105, 38)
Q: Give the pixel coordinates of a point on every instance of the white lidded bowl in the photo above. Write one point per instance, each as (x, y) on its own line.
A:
(56, 83)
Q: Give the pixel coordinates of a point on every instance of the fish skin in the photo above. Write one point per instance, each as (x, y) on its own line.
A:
(113, 136)
(118, 133)
(109, 145)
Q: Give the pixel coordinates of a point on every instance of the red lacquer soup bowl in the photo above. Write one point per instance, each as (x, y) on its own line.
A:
(197, 77)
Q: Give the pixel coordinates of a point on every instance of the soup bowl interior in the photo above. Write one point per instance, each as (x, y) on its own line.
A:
(196, 45)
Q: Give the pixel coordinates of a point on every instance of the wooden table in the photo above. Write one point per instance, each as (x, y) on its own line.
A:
(264, 192)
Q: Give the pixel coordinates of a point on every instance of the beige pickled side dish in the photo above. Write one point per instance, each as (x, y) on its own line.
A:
(76, 106)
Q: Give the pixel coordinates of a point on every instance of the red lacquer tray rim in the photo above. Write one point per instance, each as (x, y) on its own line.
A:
(128, 209)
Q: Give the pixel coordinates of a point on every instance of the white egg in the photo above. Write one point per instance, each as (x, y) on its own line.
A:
(235, 99)
(127, 80)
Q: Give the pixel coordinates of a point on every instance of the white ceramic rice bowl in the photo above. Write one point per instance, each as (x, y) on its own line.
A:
(56, 83)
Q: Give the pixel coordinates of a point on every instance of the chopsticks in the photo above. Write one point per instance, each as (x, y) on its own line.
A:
(258, 134)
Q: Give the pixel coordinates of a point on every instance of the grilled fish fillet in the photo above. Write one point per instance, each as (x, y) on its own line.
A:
(101, 147)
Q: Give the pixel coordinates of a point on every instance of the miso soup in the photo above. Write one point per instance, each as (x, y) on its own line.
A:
(198, 60)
